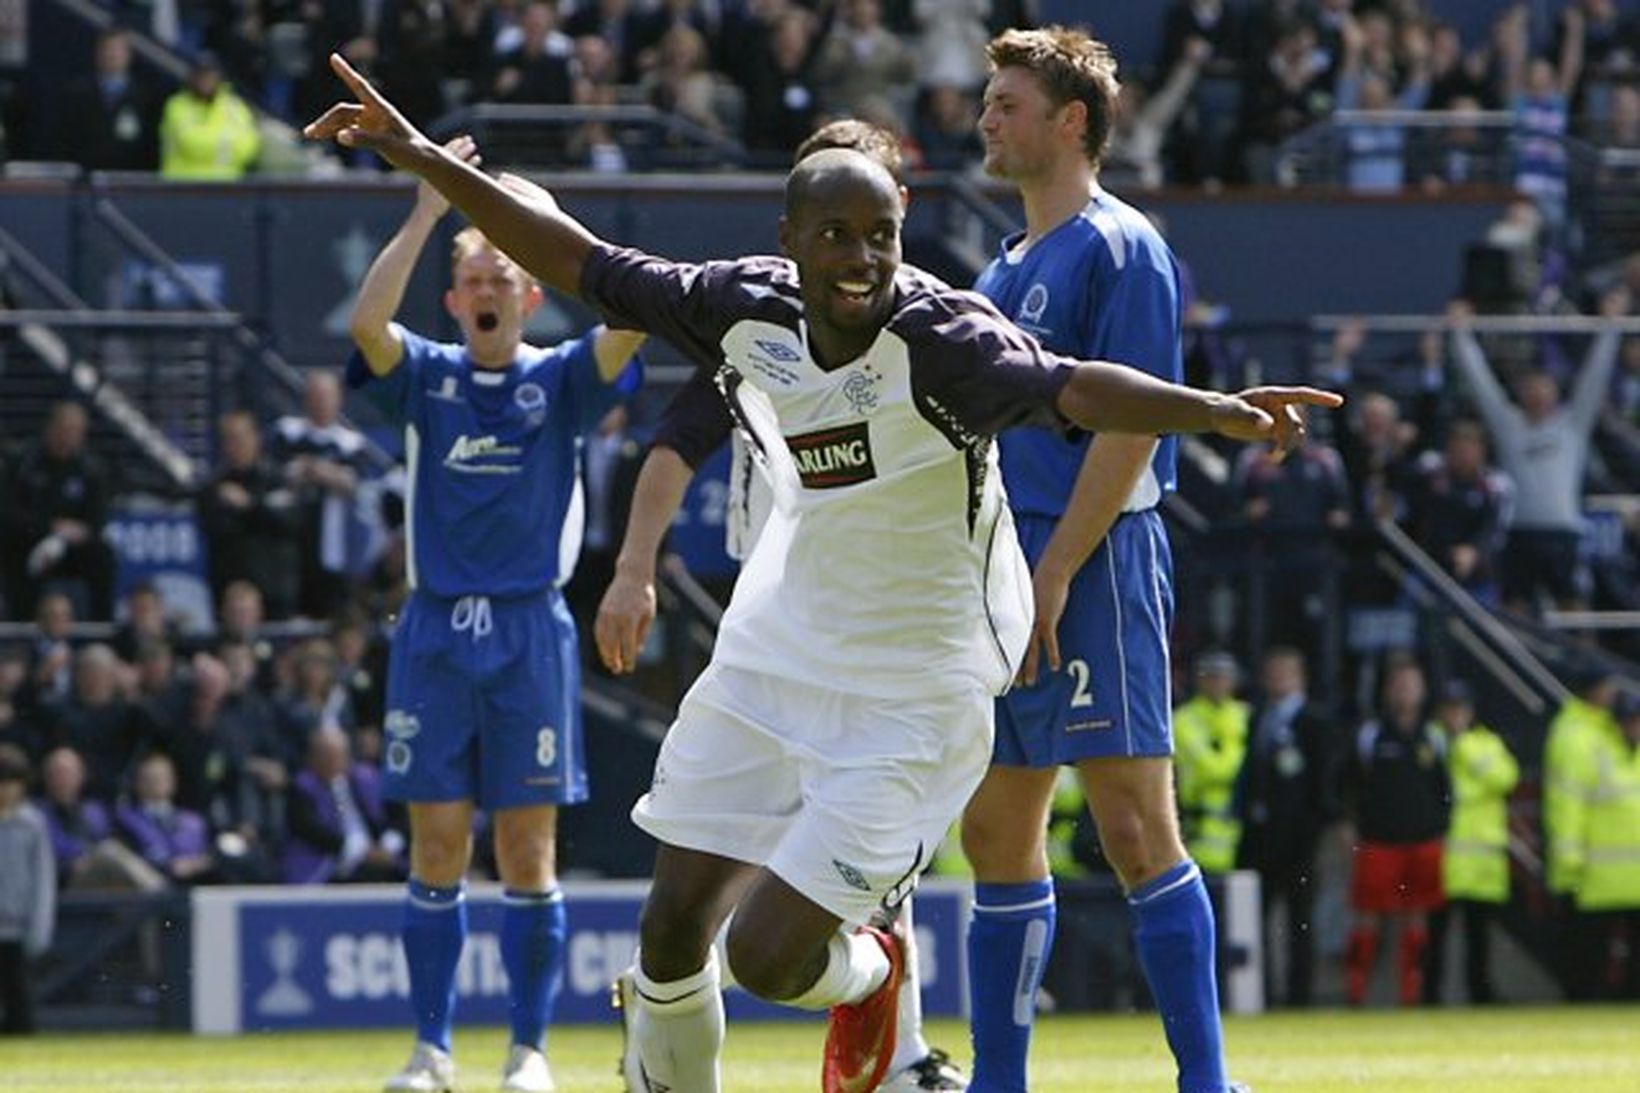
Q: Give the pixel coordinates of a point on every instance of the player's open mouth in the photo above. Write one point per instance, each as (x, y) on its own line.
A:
(487, 321)
(855, 291)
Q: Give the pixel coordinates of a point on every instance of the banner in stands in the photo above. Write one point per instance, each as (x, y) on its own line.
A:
(282, 958)
(162, 544)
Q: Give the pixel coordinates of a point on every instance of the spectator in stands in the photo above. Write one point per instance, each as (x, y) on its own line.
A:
(19, 726)
(1375, 153)
(97, 721)
(1456, 74)
(1602, 841)
(618, 26)
(680, 82)
(109, 116)
(75, 822)
(144, 620)
(1460, 507)
(537, 70)
(229, 765)
(469, 33)
(1379, 450)
(1210, 734)
(251, 520)
(862, 63)
(1212, 23)
(782, 89)
(1286, 91)
(315, 699)
(412, 34)
(1475, 860)
(51, 656)
(1284, 800)
(338, 826)
(28, 898)
(1398, 791)
(594, 144)
(950, 42)
(1459, 152)
(207, 132)
(664, 16)
(159, 691)
(1544, 447)
(361, 668)
(1295, 507)
(173, 840)
(1538, 91)
(323, 460)
(57, 492)
(81, 830)
(1143, 120)
(947, 129)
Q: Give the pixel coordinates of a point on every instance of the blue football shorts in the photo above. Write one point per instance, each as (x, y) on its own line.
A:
(483, 702)
(1112, 695)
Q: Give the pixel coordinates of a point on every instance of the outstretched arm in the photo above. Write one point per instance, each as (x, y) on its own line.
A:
(537, 235)
(1112, 398)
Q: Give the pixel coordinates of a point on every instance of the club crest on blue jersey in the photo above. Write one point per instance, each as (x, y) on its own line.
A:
(533, 401)
(1035, 303)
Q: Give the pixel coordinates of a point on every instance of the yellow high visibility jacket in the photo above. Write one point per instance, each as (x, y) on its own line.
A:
(1209, 745)
(1065, 812)
(1576, 719)
(207, 141)
(1475, 865)
(1602, 821)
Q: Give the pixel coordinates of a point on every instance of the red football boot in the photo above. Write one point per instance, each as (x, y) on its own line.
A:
(860, 1039)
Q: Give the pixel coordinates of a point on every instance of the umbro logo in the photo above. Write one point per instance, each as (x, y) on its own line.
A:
(779, 351)
(851, 875)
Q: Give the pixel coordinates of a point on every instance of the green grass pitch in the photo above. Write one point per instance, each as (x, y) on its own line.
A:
(1559, 1050)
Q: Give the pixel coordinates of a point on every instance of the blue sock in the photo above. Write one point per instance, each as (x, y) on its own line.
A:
(1008, 944)
(1173, 930)
(532, 950)
(435, 929)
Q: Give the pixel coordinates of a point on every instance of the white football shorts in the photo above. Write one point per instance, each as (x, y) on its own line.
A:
(844, 797)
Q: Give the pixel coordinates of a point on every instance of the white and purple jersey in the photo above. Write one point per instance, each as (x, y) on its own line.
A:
(493, 499)
(889, 565)
(1101, 286)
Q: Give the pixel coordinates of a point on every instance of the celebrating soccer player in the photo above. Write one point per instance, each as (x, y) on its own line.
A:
(847, 710)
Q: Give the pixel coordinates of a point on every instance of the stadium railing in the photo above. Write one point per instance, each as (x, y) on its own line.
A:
(1601, 202)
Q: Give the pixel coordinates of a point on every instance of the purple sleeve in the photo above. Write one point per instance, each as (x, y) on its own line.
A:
(976, 369)
(682, 302)
(696, 422)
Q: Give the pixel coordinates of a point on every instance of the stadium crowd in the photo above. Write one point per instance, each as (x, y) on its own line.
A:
(1231, 82)
(162, 756)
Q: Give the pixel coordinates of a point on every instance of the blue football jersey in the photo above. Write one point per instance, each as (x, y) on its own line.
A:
(493, 500)
(1101, 286)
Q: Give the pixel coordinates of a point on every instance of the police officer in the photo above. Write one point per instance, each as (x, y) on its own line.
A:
(1475, 860)
(1210, 742)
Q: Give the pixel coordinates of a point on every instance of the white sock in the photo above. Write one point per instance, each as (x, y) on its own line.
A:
(679, 1029)
(909, 1045)
(855, 966)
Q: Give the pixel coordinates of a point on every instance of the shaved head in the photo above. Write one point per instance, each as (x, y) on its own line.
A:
(832, 170)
